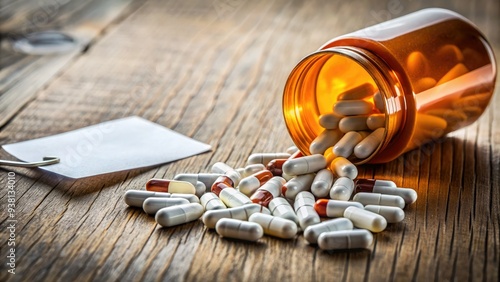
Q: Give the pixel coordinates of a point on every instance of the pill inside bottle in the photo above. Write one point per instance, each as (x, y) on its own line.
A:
(399, 88)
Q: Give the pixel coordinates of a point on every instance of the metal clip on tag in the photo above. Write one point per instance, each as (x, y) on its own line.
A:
(46, 161)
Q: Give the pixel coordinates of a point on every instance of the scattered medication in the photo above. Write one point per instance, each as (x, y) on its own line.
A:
(190, 197)
(333, 208)
(180, 214)
(304, 208)
(342, 189)
(233, 198)
(207, 178)
(238, 229)
(211, 217)
(346, 239)
(292, 149)
(311, 233)
(391, 214)
(200, 188)
(304, 165)
(253, 168)
(365, 219)
(270, 190)
(210, 201)
(343, 168)
(325, 140)
(296, 185)
(136, 198)
(250, 184)
(322, 183)
(265, 158)
(152, 205)
(379, 199)
(276, 166)
(386, 187)
(280, 207)
(275, 226)
(170, 186)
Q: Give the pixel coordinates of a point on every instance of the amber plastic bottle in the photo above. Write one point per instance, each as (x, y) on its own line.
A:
(434, 69)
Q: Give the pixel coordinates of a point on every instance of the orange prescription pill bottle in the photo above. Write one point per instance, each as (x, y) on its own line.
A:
(379, 92)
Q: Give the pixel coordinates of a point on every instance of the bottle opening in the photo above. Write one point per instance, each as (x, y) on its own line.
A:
(337, 97)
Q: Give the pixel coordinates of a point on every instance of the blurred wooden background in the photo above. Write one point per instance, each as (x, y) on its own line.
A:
(214, 71)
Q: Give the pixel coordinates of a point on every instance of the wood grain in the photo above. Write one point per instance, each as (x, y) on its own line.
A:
(214, 71)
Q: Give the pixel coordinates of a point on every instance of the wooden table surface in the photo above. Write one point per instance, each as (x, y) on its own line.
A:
(215, 71)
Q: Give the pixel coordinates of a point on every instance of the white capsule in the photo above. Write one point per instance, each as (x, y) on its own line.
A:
(346, 239)
(280, 207)
(353, 123)
(409, 195)
(346, 144)
(304, 208)
(322, 183)
(375, 121)
(275, 226)
(152, 205)
(286, 176)
(324, 140)
(311, 233)
(334, 208)
(304, 165)
(238, 229)
(329, 120)
(253, 168)
(359, 92)
(379, 199)
(342, 189)
(233, 198)
(136, 198)
(200, 188)
(180, 214)
(365, 219)
(207, 178)
(210, 201)
(241, 171)
(368, 145)
(352, 107)
(296, 185)
(211, 217)
(378, 100)
(292, 149)
(265, 158)
(220, 167)
(344, 168)
(391, 214)
(190, 197)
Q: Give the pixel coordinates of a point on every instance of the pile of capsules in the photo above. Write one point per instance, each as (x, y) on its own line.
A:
(279, 194)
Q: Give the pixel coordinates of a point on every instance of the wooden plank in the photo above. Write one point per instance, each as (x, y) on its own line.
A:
(215, 71)
(23, 76)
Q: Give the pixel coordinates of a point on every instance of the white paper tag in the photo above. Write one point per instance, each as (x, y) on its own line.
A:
(111, 146)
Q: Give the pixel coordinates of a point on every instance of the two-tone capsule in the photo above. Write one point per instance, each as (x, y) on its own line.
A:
(270, 190)
(386, 187)
(170, 186)
(250, 184)
(344, 168)
(333, 208)
(207, 178)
